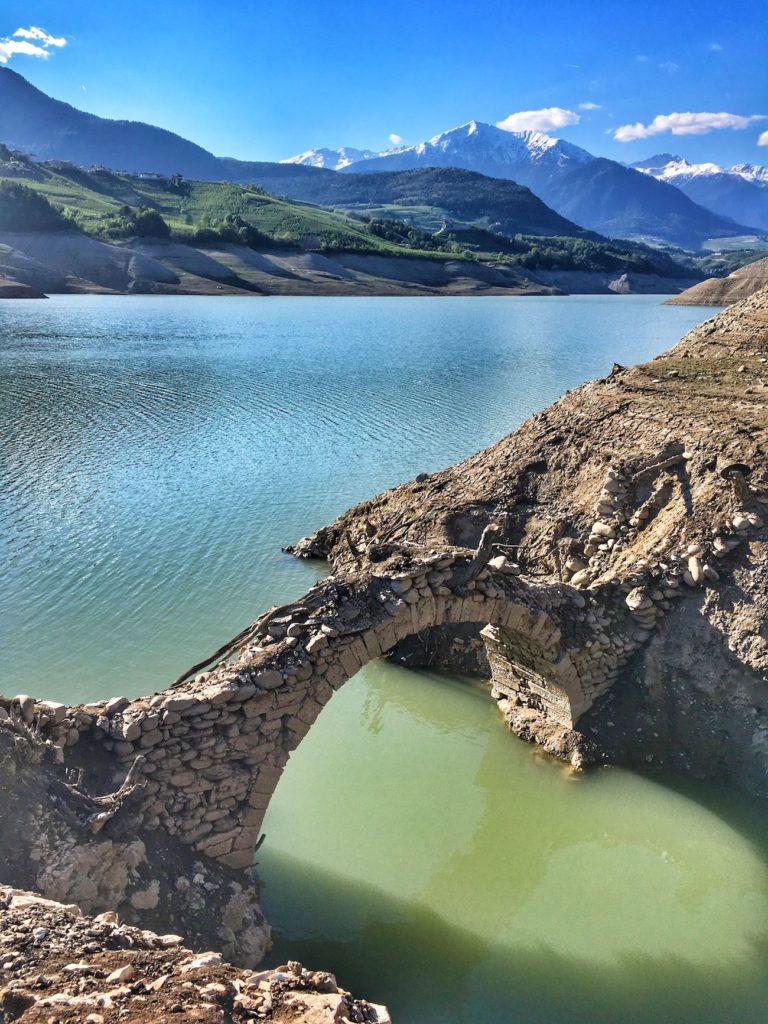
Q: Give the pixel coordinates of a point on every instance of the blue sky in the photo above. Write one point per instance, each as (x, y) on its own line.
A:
(268, 78)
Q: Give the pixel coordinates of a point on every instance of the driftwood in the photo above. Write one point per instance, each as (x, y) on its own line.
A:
(93, 812)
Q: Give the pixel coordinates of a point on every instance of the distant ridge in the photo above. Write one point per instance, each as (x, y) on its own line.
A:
(51, 130)
(421, 194)
(740, 191)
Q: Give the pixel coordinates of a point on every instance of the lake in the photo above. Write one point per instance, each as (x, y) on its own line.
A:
(156, 455)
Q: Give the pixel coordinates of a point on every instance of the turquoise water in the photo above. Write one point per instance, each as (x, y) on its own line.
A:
(157, 453)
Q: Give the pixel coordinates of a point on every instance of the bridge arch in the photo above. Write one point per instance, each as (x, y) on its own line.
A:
(202, 759)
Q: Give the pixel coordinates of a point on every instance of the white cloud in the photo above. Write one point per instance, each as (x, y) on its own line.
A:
(670, 67)
(395, 139)
(28, 42)
(762, 139)
(590, 106)
(545, 120)
(33, 32)
(715, 47)
(684, 124)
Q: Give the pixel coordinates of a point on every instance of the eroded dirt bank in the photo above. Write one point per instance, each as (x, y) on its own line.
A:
(722, 291)
(31, 264)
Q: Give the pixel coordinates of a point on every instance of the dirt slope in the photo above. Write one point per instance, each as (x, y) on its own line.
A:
(722, 291)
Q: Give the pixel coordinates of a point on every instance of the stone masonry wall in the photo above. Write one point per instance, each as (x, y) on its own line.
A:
(202, 759)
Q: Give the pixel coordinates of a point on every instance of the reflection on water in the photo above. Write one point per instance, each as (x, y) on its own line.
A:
(438, 864)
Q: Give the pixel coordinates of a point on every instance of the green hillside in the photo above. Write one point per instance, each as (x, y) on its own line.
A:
(426, 198)
(119, 207)
(112, 206)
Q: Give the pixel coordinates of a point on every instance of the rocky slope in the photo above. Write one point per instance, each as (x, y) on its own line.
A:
(58, 965)
(625, 483)
(722, 291)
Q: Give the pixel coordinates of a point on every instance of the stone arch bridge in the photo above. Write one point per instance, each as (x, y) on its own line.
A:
(201, 760)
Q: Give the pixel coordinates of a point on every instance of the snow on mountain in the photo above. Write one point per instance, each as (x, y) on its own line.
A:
(751, 172)
(483, 147)
(672, 168)
(597, 193)
(739, 192)
(332, 159)
(466, 146)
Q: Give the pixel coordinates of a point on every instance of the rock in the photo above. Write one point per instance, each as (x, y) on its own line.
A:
(378, 1014)
(637, 598)
(400, 586)
(121, 975)
(317, 643)
(146, 899)
(26, 706)
(210, 959)
(696, 569)
(269, 680)
(116, 704)
(53, 709)
(603, 530)
(575, 564)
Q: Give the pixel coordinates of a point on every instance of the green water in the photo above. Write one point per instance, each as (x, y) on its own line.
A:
(157, 453)
(440, 865)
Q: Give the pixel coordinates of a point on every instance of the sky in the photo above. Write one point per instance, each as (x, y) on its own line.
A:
(266, 79)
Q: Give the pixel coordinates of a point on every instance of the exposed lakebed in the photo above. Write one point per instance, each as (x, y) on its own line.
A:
(156, 455)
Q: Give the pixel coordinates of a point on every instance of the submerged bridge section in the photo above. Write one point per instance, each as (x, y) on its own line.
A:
(200, 761)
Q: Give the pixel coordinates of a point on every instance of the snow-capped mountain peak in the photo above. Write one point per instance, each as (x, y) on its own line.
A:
(463, 145)
(752, 172)
(675, 168)
(332, 159)
(739, 192)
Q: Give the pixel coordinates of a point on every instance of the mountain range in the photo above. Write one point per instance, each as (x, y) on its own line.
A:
(598, 194)
(740, 192)
(602, 195)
